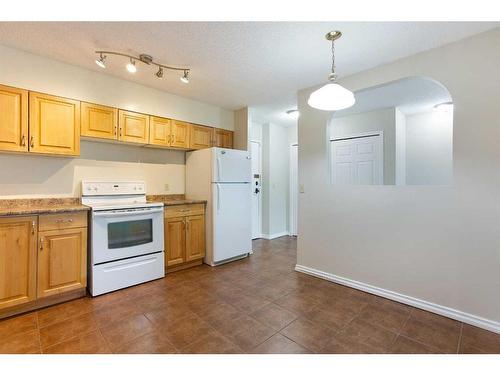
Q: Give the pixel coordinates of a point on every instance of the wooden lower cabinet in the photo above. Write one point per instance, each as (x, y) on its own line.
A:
(184, 237)
(62, 261)
(18, 239)
(175, 241)
(43, 260)
(195, 237)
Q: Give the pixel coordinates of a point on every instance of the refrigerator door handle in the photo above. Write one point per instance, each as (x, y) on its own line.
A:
(218, 168)
(218, 197)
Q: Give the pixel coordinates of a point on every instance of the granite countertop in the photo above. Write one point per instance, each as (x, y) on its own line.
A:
(10, 207)
(174, 199)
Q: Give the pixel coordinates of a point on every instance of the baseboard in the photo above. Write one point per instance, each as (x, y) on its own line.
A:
(274, 235)
(461, 316)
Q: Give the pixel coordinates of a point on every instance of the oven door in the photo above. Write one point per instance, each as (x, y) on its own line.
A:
(120, 234)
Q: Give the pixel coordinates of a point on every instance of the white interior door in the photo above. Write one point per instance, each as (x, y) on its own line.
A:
(294, 182)
(255, 152)
(358, 160)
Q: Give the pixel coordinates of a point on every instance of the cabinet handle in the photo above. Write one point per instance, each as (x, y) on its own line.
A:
(23, 140)
(114, 133)
(32, 142)
(64, 221)
(173, 138)
(33, 227)
(41, 244)
(187, 224)
(120, 131)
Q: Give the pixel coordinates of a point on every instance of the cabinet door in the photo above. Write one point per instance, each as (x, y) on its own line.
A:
(62, 261)
(175, 241)
(13, 119)
(54, 125)
(195, 237)
(17, 260)
(223, 138)
(180, 134)
(159, 132)
(200, 137)
(99, 121)
(133, 127)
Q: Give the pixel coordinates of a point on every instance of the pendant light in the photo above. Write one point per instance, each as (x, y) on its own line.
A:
(332, 96)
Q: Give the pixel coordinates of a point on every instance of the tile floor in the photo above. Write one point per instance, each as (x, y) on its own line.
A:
(256, 305)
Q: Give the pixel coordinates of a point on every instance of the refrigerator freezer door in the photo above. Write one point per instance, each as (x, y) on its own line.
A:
(232, 221)
(231, 165)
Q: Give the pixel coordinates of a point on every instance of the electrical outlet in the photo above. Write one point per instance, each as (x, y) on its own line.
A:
(301, 188)
(167, 188)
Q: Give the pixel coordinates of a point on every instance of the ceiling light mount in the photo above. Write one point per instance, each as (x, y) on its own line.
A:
(333, 35)
(144, 58)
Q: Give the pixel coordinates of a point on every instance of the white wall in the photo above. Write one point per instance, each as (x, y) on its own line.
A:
(275, 180)
(381, 119)
(429, 138)
(25, 176)
(438, 244)
(400, 137)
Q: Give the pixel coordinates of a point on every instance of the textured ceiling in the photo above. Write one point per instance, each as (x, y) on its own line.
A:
(236, 64)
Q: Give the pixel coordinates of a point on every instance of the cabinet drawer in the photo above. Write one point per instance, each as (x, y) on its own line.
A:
(62, 221)
(185, 210)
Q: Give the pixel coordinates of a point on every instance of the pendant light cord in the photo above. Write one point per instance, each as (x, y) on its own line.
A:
(333, 76)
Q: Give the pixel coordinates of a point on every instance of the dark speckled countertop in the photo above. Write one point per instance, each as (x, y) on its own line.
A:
(11, 207)
(173, 199)
(35, 206)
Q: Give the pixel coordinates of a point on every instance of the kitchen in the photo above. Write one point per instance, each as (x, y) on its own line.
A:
(126, 212)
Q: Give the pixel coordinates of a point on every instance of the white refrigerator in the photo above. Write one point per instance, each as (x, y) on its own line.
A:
(222, 177)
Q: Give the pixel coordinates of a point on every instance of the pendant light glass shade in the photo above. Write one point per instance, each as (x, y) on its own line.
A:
(331, 97)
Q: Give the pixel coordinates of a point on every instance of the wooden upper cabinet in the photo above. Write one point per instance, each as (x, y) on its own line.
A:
(200, 137)
(159, 131)
(99, 121)
(195, 237)
(18, 238)
(62, 261)
(180, 134)
(54, 125)
(223, 138)
(133, 127)
(175, 241)
(13, 119)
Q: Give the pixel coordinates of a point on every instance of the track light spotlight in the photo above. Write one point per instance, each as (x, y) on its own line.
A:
(185, 77)
(131, 66)
(101, 61)
(159, 73)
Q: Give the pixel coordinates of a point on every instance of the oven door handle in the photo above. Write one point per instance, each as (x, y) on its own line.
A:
(126, 213)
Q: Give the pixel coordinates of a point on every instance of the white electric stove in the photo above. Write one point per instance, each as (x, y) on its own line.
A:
(126, 235)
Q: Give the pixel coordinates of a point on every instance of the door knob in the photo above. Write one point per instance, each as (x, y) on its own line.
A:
(257, 191)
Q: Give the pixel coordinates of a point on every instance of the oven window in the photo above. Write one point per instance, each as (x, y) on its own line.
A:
(130, 233)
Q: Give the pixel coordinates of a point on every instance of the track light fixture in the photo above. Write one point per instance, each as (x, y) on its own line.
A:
(185, 77)
(101, 61)
(146, 59)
